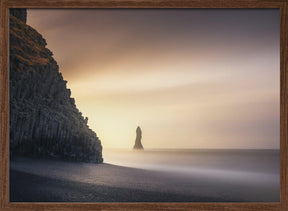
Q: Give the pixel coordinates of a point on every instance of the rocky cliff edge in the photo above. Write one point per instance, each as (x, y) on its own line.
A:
(44, 120)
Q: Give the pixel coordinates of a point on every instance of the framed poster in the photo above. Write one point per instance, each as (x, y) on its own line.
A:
(147, 105)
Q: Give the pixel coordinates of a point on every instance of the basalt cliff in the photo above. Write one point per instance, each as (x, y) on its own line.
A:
(44, 120)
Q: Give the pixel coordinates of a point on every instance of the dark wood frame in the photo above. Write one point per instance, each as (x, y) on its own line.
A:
(4, 103)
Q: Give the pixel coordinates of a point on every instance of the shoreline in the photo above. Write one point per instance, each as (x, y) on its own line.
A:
(44, 180)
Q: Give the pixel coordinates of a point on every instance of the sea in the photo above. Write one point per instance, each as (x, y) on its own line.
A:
(247, 166)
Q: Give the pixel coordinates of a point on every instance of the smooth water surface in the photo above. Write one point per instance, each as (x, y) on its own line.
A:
(250, 166)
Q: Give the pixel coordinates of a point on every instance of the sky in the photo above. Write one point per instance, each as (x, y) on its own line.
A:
(190, 78)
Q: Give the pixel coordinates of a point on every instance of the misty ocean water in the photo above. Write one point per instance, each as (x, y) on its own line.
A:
(249, 166)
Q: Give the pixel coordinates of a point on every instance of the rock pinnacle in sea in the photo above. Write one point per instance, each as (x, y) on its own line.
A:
(138, 144)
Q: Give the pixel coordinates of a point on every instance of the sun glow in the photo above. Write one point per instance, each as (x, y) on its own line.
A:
(186, 83)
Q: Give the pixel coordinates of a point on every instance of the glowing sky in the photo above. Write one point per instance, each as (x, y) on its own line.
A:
(190, 78)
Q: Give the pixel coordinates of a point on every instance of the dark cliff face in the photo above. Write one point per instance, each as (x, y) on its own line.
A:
(20, 14)
(44, 120)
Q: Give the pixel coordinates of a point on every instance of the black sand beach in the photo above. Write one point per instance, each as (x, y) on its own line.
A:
(40, 180)
(31, 188)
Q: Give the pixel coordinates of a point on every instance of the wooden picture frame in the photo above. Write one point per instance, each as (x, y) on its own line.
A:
(282, 5)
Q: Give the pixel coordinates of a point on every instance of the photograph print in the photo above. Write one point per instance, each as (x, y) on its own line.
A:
(144, 105)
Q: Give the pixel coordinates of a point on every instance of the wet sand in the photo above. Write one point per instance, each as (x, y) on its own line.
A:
(39, 180)
(31, 188)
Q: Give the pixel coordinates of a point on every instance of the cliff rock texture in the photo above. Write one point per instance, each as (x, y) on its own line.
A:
(20, 14)
(44, 120)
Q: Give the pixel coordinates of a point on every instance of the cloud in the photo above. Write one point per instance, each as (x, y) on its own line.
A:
(190, 78)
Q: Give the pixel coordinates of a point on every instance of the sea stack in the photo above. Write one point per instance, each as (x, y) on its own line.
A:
(138, 144)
